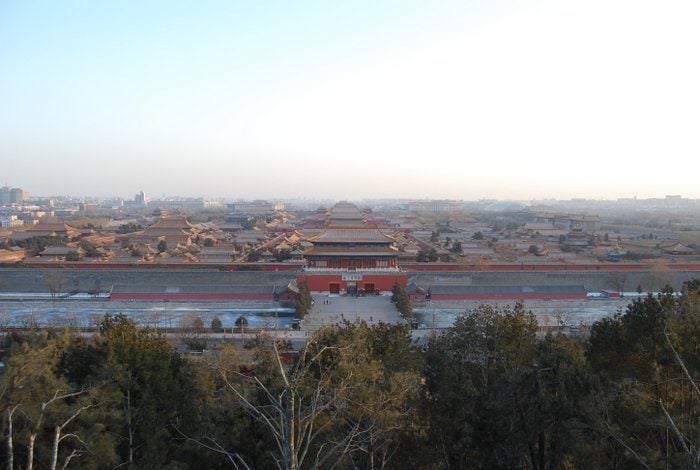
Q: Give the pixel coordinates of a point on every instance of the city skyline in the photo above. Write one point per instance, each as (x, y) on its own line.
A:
(362, 100)
(146, 196)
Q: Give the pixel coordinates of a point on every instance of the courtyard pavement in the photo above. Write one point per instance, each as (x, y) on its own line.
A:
(334, 309)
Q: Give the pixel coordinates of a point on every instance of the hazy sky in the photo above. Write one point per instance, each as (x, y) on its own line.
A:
(465, 99)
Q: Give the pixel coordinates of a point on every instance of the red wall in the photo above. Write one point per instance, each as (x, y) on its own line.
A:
(382, 282)
(406, 266)
(178, 296)
(509, 296)
(542, 267)
(185, 266)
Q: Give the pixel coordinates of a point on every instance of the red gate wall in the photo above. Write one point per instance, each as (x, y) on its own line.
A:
(382, 282)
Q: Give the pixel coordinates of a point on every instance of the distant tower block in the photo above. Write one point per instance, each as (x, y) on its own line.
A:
(141, 199)
(13, 195)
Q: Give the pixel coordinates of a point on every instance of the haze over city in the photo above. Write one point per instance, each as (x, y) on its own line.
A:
(368, 234)
(459, 100)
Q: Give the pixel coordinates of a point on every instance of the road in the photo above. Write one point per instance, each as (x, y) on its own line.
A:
(442, 314)
(89, 313)
(327, 310)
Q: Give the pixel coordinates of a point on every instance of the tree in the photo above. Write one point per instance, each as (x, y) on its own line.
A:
(618, 279)
(89, 248)
(55, 281)
(395, 292)
(209, 242)
(496, 397)
(657, 276)
(284, 405)
(335, 403)
(147, 385)
(456, 248)
(96, 286)
(242, 323)
(44, 415)
(283, 255)
(304, 300)
(402, 301)
(216, 324)
(427, 256)
(39, 243)
(432, 255)
(478, 236)
(253, 255)
(73, 256)
(192, 328)
(649, 399)
(162, 246)
(130, 227)
(386, 371)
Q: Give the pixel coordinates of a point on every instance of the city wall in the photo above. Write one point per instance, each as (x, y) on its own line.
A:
(103, 280)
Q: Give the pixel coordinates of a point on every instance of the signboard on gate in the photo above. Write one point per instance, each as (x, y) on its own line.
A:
(351, 277)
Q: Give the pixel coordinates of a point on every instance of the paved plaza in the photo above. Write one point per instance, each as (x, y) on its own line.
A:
(334, 309)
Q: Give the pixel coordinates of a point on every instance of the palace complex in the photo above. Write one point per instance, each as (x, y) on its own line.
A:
(350, 256)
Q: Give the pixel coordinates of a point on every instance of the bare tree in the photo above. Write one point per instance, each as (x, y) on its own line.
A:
(55, 281)
(95, 320)
(658, 276)
(58, 396)
(29, 320)
(155, 317)
(9, 434)
(309, 398)
(192, 327)
(192, 322)
(692, 452)
(31, 390)
(4, 320)
(69, 320)
(618, 279)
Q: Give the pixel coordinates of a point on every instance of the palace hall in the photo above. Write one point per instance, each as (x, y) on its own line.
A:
(350, 256)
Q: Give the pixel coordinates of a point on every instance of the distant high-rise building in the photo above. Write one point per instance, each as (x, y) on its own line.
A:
(13, 195)
(18, 195)
(436, 206)
(258, 207)
(141, 199)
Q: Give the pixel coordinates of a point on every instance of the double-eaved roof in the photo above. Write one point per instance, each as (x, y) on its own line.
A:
(349, 235)
(48, 229)
(173, 229)
(173, 225)
(352, 251)
(345, 214)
